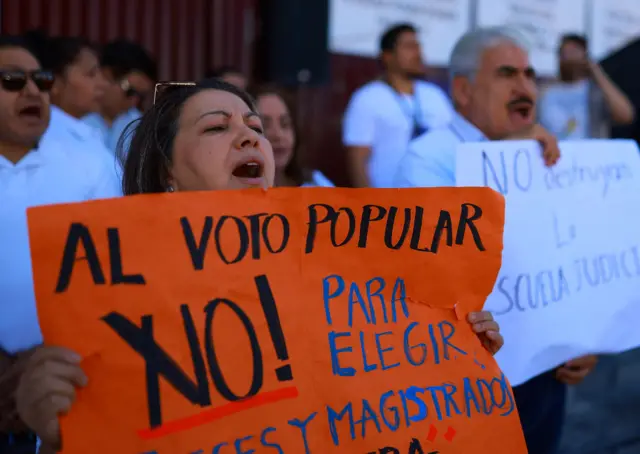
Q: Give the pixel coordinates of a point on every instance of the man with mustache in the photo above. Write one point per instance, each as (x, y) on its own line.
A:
(585, 100)
(494, 92)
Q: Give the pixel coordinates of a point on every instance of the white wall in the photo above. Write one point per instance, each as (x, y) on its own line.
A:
(356, 25)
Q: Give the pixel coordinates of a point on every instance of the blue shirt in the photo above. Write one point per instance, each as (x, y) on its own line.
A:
(54, 173)
(111, 133)
(65, 128)
(430, 160)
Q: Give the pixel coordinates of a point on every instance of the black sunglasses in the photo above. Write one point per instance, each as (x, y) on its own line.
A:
(163, 88)
(16, 80)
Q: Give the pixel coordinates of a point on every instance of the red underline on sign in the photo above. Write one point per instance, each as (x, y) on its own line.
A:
(212, 414)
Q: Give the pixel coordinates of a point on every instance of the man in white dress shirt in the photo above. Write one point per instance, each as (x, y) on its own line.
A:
(385, 114)
(31, 174)
(493, 88)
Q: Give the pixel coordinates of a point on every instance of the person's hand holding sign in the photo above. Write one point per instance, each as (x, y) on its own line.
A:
(488, 330)
(548, 142)
(573, 372)
(47, 389)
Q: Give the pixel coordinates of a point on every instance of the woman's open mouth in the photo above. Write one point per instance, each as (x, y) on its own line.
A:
(250, 172)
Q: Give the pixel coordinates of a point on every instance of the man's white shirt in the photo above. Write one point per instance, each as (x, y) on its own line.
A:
(381, 118)
(56, 172)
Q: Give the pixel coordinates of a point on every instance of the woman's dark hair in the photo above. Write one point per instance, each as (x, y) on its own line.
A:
(296, 170)
(58, 53)
(147, 158)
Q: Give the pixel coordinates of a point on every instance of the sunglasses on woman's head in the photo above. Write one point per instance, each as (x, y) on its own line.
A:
(164, 88)
(16, 80)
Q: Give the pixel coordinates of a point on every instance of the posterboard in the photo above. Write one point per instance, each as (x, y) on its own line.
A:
(293, 320)
(570, 278)
(356, 26)
(614, 23)
(542, 24)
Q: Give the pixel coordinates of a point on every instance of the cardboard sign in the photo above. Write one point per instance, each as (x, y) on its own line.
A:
(571, 259)
(292, 321)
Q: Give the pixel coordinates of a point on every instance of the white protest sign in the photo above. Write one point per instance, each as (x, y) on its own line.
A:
(542, 23)
(614, 23)
(570, 278)
(356, 26)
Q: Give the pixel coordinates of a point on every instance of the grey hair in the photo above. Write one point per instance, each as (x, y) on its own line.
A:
(466, 54)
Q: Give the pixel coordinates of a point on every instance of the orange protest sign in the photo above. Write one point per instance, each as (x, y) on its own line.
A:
(288, 321)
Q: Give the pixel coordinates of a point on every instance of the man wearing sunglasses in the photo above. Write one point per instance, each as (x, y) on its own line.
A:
(24, 102)
(131, 74)
(32, 173)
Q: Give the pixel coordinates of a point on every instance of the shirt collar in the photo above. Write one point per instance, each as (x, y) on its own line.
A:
(61, 119)
(32, 159)
(124, 118)
(465, 130)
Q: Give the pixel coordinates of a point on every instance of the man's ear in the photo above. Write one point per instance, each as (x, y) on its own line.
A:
(461, 91)
(385, 58)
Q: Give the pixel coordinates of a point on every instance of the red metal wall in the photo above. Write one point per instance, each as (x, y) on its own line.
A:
(321, 109)
(186, 36)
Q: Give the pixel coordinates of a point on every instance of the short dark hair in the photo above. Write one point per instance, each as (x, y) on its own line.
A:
(58, 53)
(147, 158)
(16, 41)
(221, 71)
(580, 40)
(123, 57)
(389, 39)
(296, 169)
